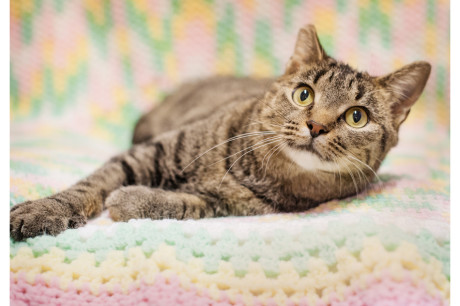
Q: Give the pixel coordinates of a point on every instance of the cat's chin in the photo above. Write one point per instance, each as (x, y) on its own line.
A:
(309, 161)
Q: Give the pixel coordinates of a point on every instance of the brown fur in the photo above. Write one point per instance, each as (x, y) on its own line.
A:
(228, 146)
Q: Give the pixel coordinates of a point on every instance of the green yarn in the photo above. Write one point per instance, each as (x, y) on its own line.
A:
(151, 244)
(227, 244)
(240, 264)
(41, 244)
(354, 243)
(174, 234)
(300, 264)
(279, 245)
(98, 241)
(270, 265)
(211, 260)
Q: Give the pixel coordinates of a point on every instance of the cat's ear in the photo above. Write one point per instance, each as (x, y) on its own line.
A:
(405, 86)
(307, 49)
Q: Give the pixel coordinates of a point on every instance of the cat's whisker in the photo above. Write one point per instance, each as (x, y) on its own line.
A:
(366, 165)
(265, 156)
(348, 155)
(279, 146)
(340, 175)
(262, 165)
(261, 133)
(362, 174)
(352, 177)
(266, 144)
(285, 145)
(359, 170)
(257, 143)
(343, 154)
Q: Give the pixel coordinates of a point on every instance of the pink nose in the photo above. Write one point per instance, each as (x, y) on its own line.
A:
(316, 129)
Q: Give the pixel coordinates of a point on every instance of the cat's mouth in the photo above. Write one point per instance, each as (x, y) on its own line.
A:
(305, 146)
(308, 157)
(302, 141)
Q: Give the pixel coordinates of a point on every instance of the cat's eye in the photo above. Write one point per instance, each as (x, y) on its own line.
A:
(356, 117)
(303, 96)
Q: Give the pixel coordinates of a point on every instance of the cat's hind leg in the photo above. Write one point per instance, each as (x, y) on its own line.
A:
(135, 202)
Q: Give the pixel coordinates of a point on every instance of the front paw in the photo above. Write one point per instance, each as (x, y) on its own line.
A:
(44, 216)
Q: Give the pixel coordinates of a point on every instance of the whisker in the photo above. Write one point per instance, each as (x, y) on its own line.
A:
(340, 175)
(265, 156)
(279, 147)
(266, 144)
(229, 140)
(360, 172)
(352, 176)
(346, 153)
(366, 165)
(257, 143)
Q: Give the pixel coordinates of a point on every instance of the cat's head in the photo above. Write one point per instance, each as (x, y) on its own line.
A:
(334, 117)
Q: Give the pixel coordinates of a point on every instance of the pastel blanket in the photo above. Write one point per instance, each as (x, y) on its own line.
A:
(83, 71)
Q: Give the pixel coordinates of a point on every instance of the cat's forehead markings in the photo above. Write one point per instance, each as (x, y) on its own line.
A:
(306, 75)
(329, 73)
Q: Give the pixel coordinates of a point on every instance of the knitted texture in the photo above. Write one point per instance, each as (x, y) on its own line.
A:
(82, 72)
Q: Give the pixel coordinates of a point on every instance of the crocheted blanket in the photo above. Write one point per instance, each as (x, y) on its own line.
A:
(83, 71)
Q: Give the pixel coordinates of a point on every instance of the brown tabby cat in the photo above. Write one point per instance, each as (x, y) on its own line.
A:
(227, 146)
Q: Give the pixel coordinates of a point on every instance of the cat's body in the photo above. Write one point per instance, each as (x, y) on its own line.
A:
(227, 146)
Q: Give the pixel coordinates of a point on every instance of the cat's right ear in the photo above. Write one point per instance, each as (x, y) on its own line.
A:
(405, 85)
(307, 49)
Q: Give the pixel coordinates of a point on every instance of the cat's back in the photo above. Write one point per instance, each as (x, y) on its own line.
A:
(197, 100)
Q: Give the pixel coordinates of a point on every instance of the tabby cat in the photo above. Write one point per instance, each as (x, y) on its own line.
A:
(227, 146)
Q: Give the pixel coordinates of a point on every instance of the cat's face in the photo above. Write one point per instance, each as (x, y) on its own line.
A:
(333, 117)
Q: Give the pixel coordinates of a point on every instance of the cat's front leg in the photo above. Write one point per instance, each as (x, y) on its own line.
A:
(138, 202)
(135, 202)
(70, 208)
(43, 216)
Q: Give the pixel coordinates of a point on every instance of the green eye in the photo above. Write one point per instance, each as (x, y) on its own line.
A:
(356, 117)
(303, 96)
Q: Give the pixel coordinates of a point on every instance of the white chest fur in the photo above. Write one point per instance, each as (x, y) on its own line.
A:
(309, 161)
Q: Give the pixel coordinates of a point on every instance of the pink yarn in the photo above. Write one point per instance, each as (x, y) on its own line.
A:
(387, 292)
(169, 292)
(163, 292)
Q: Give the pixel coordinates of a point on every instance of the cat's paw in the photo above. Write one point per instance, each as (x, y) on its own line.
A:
(118, 202)
(44, 216)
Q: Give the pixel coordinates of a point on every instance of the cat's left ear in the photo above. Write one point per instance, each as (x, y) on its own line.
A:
(307, 49)
(405, 86)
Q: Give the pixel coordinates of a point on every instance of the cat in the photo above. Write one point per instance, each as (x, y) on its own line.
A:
(242, 146)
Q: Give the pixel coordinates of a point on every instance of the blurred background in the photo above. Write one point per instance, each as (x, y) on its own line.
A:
(100, 64)
(82, 72)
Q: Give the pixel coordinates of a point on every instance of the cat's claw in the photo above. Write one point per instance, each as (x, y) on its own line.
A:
(44, 216)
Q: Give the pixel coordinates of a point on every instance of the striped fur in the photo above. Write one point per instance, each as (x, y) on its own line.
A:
(228, 146)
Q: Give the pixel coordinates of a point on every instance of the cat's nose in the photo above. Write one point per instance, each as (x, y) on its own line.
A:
(316, 128)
